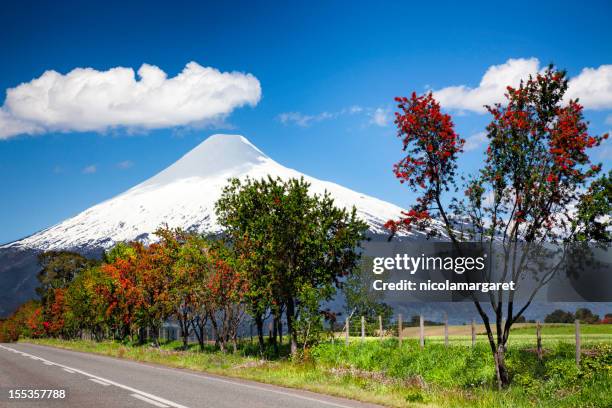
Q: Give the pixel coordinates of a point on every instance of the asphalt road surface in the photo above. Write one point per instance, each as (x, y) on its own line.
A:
(93, 381)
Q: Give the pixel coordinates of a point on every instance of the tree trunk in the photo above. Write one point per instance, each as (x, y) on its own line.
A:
(499, 349)
(199, 328)
(275, 333)
(155, 333)
(260, 333)
(215, 332)
(503, 376)
(292, 333)
(142, 335)
(280, 329)
(125, 332)
(185, 334)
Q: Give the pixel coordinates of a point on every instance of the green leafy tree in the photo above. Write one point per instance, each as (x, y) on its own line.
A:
(559, 316)
(300, 241)
(594, 212)
(361, 300)
(245, 212)
(86, 304)
(309, 323)
(58, 269)
(586, 316)
(188, 287)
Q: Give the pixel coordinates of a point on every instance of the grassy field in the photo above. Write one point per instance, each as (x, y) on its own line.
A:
(523, 334)
(384, 373)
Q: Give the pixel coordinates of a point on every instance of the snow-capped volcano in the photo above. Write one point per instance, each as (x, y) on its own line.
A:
(184, 194)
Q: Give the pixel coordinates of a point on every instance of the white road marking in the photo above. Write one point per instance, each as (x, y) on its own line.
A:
(204, 376)
(99, 382)
(68, 371)
(150, 401)
(110, 382)
(47, 363)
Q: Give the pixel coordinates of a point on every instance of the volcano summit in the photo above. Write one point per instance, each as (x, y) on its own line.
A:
(184, 194)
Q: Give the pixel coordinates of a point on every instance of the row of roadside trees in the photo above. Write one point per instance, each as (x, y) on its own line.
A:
(283, 252)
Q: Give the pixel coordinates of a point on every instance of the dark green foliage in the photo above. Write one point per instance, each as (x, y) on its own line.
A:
(294, 244)
(586, 316)
(361, 300)
(583, 314)
(592, 222)
(559, 316)
(59, 268)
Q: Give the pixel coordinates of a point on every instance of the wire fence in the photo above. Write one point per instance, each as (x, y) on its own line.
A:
(415, 329)
(362, 329)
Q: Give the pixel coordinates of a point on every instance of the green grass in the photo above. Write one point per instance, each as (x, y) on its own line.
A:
(523, 335)
(586, 330)
(384, 373)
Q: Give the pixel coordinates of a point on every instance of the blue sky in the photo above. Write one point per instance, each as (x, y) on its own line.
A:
(327, 72)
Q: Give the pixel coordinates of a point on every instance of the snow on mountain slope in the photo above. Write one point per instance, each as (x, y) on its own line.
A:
(184, 195)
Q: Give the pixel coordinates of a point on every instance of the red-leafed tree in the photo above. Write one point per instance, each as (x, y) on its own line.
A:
(154, 265)
(26, 321)
(536, 173)
(429, 166)
(225, 290)
(34, 324)
(188, 279)
(55, 313)
(122, 295)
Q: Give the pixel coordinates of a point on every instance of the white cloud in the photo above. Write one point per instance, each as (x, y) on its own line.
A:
(89, 100)
(304, 120)
(126, 164)
(92, 168)
(593, 86)
(475, 141)
(378, 116)
(381, 117)
(491, 88)
(11, 126)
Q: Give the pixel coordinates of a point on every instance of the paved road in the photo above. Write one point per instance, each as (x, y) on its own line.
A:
(93, 381)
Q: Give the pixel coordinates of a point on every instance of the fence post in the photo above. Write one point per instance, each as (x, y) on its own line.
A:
(347, 331)
(577, 342)
(362, 329)
(539, 339)
(399, 329)
(473, 333)
(446, 329)
(422, 331)
(380, 327)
